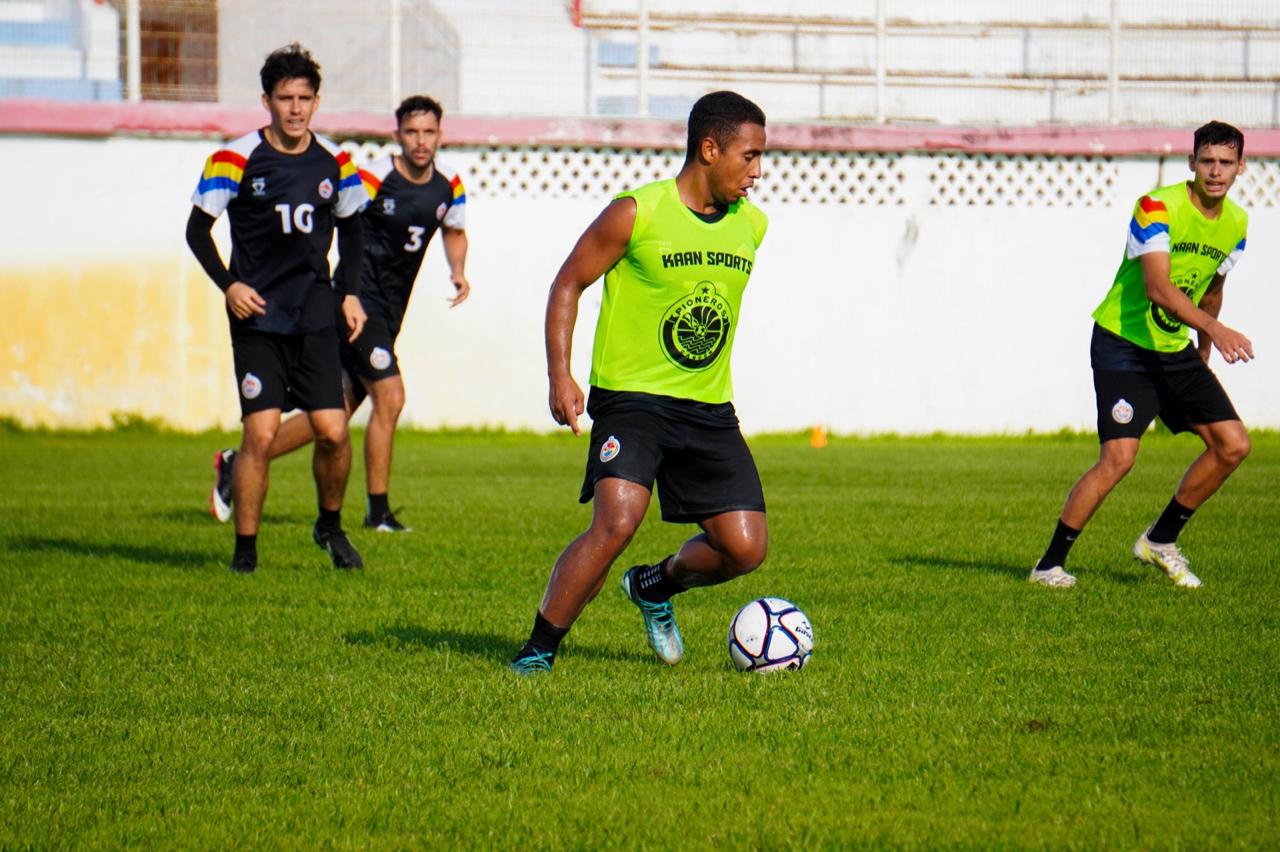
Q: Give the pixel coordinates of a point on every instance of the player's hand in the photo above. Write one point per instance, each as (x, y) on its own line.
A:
(461, 290)
(1233, 345)
(244, 301)
(566, 402)
(353, 313)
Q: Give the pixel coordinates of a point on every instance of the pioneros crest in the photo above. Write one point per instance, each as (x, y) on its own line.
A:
(696, 328)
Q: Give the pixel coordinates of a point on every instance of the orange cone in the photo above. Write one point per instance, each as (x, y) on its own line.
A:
(818, 437)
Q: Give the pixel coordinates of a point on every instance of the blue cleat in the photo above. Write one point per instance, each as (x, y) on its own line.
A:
(659, 622)
(531, 661)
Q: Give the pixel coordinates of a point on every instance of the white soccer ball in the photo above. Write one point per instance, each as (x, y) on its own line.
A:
(769, 635)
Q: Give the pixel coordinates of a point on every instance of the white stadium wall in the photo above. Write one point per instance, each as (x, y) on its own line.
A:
(909, 290)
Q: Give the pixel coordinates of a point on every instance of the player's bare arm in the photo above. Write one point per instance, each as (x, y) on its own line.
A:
(600, 247)
(455, 251)
(1233, 345)
(353, 313)
(1211, 304)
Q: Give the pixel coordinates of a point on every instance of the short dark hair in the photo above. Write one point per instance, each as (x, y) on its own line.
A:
(719, 115)
(1218, 133)
(291, 62)
(418, 103)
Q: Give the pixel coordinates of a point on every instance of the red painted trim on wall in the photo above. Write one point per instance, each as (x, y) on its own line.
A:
(60, 118)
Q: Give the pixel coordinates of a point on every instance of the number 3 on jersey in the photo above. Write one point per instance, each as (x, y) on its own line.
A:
(300, 218)
(415, 238)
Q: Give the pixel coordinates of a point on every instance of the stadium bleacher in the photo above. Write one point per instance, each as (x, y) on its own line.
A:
(59, 49)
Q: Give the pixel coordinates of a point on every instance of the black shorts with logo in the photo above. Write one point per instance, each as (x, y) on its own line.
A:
(694, 450)
(371, 357)
(1133, 386)
(287, 371)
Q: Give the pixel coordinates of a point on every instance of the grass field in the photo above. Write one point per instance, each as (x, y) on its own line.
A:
(152, 698)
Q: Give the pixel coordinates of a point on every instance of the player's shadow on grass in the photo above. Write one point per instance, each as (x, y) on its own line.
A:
(149, 554)
(199, 517)
(489, 646)
(1019, 571)
(986, 565)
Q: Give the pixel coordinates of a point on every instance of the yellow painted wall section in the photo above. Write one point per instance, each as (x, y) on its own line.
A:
(145, 337)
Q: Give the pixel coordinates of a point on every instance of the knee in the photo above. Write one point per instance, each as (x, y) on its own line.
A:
(330, 438)
(614, 533)
(744, 556)
(257, 440)
(1234, 450)
(389, 405)
(1116, 465)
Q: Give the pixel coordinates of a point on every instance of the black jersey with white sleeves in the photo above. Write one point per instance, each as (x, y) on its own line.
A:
(398, 225)
(282, 209)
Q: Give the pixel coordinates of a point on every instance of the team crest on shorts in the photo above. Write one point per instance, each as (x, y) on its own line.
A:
(696, 328)
(610, 448)
(325, 188)
(440, 211)
(1122, 411)
(250, 386)
(379, 358)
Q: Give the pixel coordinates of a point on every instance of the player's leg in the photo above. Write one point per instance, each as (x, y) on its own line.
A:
(582, 568)
(249, 485)
(387, 398)
(316, 381)
(1127, 403)
(711, 480)
(1195, 402)
(294, 432)
(622, 460)
(370, 361)
(261, 374)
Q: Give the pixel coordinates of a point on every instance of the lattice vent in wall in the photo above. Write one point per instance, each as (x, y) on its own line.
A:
(1259, 185)
(999, 180)
(807, 177)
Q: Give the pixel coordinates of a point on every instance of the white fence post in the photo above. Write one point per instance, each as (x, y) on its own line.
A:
(642, 58)
(1113, 76)
(133, 50)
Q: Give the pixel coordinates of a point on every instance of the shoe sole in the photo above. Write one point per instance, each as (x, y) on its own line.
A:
(221, 511)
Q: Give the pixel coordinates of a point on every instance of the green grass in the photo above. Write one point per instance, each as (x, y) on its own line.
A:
(151, 698)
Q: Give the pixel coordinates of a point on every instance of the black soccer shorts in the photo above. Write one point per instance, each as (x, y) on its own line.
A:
(701, 471)
(371, 357)
(287, 371)
(1129, 400)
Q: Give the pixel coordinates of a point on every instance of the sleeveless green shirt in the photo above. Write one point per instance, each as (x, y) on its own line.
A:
(671, 303)
(1198, 248)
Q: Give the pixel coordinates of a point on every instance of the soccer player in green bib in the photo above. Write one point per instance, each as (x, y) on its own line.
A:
(1183, 240)
(675, 256)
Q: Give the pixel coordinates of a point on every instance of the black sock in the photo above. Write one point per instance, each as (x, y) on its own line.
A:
(545, 636)
(1059, 546)
(379, 506)
(329, 520)
(1170, 523)
(247, 545)
(653, 584)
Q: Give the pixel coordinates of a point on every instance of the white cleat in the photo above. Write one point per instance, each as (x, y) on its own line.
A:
(1054, 577)
(1168, 558)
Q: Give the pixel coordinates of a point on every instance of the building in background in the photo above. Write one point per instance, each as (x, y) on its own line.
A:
(986, 62)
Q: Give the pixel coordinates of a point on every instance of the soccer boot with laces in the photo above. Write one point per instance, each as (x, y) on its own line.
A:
(220, 495)
(659, 621)
(532, 660)
(1168, 558)
(386, 522)
(1054, 577)
(338, 546)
